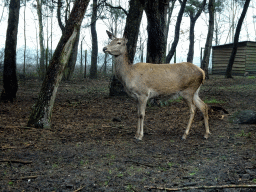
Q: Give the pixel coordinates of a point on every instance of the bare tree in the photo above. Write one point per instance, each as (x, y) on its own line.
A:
(132, 26)
(42, 110)
(10, 83)
(94, 55)
(156, 11)
(72, 61)
(2, 14)
(41, 39)
(194, 10)
(25, 40)
(208, 44)
(236, 38)
(177, 32)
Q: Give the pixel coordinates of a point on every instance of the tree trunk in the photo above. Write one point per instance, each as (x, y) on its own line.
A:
(81, 59)
(72, 61)
(42, 111)
(94, 56)
(191, 41)
(132, 26)
(59, 15)
(25, 41)
(193, 20)
(85, 63)
(156, 11)
(69, 70)
(177, 32)
(234, 50)
(208, 44)
(5, 3)
(105, 64)
(41, 39)
(10, 83)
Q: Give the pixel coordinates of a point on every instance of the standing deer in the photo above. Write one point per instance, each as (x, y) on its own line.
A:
(145, 80)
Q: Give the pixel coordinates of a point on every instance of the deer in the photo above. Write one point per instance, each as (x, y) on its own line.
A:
(143, 81)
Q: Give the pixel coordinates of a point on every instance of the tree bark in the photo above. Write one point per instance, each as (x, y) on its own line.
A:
(69, 70)
(193, 20)
(62, 27)
(42, 111)
(25, 41)
(10, 83)
(85, 63)
(208, 44)
(132, 26)
(156, 11)
(41, 40)
(94, 56)
(177, 32)
(234, 50)
(191, 41)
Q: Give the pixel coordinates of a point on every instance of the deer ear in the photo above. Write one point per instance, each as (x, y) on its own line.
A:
(110, 35)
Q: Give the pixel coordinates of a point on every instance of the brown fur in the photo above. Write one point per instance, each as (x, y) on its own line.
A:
(145, 80)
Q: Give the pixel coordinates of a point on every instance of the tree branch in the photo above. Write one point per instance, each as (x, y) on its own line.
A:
(59, 15)
(117, 7)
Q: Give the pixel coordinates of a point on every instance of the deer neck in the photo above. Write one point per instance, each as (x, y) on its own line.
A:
(122, 67)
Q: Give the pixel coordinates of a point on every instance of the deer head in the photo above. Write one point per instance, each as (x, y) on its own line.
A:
(117, 46)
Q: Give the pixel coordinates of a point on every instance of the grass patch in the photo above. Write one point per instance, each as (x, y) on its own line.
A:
(194, 172)
(243, 134)
(170, 101)
(120, 175)
(55, 166)
(251, 77)
(238, 87)
(213, 100)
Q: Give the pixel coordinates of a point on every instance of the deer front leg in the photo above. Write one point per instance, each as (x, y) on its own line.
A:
(141, 114)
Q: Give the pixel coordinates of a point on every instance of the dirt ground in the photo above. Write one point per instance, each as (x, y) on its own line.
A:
(91, 145)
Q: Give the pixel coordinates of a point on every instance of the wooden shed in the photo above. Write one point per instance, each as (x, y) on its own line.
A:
(245, 60)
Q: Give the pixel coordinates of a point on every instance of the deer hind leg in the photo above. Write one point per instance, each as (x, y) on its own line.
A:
(142, 102)
(192, 109)
(204, 109)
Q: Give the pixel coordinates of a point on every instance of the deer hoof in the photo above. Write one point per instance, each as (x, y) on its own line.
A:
(139, 138)
(184, 137)
(206, 136)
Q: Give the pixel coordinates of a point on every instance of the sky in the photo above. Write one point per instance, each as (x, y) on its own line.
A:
(31, 29)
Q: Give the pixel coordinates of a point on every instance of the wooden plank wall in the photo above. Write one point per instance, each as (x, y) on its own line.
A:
(251, 58)
(220, 59)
